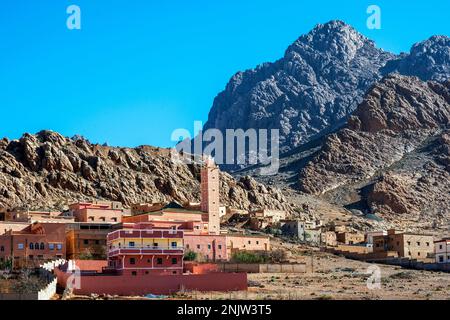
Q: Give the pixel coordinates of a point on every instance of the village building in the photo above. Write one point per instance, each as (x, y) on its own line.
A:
(371, 234)
(407, 245)
(328, 238)
(6, 226)
(350, 237)
(442, 250)
(101, 212)
(87, 240)
(293, 228)
(274, 215)
(139, 249)
(33, 245)
(37, 216)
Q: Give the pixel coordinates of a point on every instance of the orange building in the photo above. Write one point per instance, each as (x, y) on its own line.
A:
(87, 240)
(35, 244)
(101, 212)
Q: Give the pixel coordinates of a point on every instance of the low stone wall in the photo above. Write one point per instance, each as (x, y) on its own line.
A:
(414, 264)
(264, 268)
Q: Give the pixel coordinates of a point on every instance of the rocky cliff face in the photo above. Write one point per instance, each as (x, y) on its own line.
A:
(47, 170)
(428, 60)
(319, 81)
(393, 151)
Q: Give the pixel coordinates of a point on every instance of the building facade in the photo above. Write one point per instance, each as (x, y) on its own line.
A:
(442, 250)
(100, 212)
(407, 245)
(37, 243)
(210, 195)
(87, 240)
(139, 249)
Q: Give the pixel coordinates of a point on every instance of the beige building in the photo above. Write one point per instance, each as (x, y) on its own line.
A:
(350, 237)
(408, 245)
(274, 215)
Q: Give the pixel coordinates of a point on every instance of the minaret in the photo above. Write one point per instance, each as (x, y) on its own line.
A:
(210, 194)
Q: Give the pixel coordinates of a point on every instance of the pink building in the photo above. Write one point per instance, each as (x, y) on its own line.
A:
(139, 249)
(209, 247)
(97, 212)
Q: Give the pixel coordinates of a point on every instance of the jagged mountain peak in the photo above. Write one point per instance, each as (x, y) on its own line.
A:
(428, 60)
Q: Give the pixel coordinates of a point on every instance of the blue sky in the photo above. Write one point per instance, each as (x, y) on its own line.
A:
(139, 69)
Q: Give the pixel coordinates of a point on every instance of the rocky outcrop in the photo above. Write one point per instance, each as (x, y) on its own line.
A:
(397, 142)
(47, 170)
(428, 60)
(319, 81)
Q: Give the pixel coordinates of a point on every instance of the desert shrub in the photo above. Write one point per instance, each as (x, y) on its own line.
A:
(278, 255)
(27, 282)
(249, 257)
(190, 256)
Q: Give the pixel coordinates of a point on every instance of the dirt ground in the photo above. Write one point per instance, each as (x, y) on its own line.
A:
(335, 277)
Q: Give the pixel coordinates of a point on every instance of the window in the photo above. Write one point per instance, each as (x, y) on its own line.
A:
(133, 273)
(418, 253)
(249, 242)
(209, 247)
(86, 241)
(131, 244)
(174, 244)
(20, 246)
(155, 244)
(441, 259)
(2, 248)
(257, 242)
(51, 246)
(146, 272)
(91, 218)
(97, 242)
(102, 219)
(187, 246)
(174, 261)
(36, 246)
(418, 243)
(114, 219)
(409, 243)
(132, 261)
(428, 244)
(59, 246)
(32, 246)
(440, 246)
(198, 246)
(219, 246)
(159, 261)
(31, 257)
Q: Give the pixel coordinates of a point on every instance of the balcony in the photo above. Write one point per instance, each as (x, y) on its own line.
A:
(145, 233)
(148, 250)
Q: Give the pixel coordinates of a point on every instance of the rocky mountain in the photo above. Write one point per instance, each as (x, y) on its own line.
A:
(428, 60)
(320, 80)
(393, 156)
(48, 171)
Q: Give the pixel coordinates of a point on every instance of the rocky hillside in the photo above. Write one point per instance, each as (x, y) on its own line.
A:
(47, 170)
(428, 60)
(393, 156)
(319, 81)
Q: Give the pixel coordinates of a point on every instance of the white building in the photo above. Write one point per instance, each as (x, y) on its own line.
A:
(442, 250)
(371, 234)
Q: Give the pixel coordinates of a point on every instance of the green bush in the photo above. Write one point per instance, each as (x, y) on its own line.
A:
(190, 256)
(249, 257)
